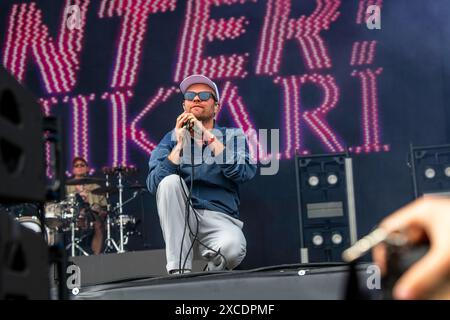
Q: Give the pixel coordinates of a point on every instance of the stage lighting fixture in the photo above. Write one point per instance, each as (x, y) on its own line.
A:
(332, 179)
(313, 181)
(326, 206)
(430, 170)
(430, 173)
(317, 240)
(336, 238)
(447, 171)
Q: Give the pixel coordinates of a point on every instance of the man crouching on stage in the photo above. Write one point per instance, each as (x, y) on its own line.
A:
(214, 231)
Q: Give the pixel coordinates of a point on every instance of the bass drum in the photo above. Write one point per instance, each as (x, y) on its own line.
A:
(27, 215)
(30, 222)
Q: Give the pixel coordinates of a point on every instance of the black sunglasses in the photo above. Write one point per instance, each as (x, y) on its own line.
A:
(79, 165)
(203, 95)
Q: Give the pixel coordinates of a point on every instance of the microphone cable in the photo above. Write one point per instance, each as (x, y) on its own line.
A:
(188, 205)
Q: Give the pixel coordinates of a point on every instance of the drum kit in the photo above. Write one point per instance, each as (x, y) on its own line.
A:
(69, 222)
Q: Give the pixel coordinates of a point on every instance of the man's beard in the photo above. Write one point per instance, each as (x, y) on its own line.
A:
(205, 118)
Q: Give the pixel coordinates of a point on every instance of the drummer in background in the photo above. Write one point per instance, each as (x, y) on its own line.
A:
(97, 203)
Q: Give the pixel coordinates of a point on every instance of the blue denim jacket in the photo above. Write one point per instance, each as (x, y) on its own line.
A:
(216, 179)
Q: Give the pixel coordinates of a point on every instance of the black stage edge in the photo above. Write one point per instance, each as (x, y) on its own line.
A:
(141, 275)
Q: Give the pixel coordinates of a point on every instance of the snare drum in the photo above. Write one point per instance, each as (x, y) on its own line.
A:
(71, 207)
(71, 200)
(60, 214)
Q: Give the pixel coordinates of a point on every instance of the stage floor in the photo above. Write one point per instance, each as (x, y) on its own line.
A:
(287, 282)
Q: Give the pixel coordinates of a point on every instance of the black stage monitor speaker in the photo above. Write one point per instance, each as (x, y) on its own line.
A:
(24, 272)
(22, 163)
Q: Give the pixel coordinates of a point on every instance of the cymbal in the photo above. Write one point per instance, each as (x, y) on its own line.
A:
(113, 189)
(137, 186)
(104, 190)
(82, 181)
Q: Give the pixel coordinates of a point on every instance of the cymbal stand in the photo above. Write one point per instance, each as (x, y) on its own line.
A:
(120, 204)
(110, 244)
(73, 241)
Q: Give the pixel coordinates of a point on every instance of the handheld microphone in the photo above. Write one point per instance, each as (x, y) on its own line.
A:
(188, 125)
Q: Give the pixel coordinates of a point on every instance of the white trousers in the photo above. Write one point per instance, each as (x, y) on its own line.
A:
(216, 230)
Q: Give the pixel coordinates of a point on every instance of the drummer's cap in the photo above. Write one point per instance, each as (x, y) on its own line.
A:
(78, 159)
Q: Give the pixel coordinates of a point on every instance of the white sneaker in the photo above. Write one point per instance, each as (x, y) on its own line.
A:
(179, 272)
(216, 262)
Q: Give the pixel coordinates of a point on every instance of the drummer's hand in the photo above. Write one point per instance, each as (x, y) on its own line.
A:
(84, 195)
